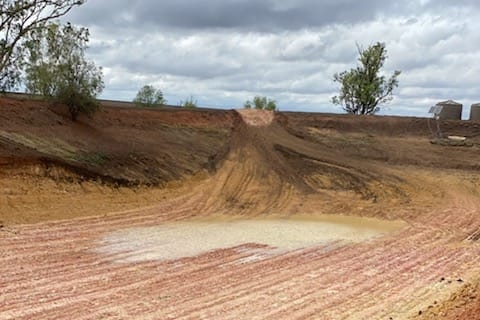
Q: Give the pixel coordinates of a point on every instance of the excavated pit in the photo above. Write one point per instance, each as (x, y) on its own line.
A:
(223, 220)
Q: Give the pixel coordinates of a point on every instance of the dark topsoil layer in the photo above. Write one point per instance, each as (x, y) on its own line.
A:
(130, 146)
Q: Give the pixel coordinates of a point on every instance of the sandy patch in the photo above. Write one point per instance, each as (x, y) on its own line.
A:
(257, 118)
(188, 239)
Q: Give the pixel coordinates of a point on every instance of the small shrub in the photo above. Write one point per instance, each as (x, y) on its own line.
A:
(148, 96)
(189, 103)
(261, 103)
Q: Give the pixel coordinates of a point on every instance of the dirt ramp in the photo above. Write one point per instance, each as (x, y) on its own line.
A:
(268, 170)
(256, 118)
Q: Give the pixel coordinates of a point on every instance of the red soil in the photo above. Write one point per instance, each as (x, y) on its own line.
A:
(64, 186)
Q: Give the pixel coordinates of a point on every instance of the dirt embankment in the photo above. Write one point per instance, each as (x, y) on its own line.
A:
(48, 162)
(248, 160)
(123, 145)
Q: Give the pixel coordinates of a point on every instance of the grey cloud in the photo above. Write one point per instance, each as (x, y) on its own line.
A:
(252, 15)
(224, 52)
(447, 4)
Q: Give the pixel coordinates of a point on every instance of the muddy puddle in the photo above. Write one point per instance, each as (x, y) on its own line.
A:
(191, 238)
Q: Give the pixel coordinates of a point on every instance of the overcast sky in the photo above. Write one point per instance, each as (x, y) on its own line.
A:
(224, 52)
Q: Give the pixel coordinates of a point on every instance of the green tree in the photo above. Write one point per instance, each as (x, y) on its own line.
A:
(58, 69)
(149, 97)
(261, 103)
(189, 103)
(364, 88)
(18, 19)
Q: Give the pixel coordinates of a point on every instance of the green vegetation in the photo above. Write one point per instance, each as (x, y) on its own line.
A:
(189, 103)
(362, 89)
(58, 69)
(261, 103)
(51, 60)
(148, 96)
(18, 19)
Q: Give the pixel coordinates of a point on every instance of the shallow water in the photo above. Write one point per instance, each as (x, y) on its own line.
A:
(191, 238)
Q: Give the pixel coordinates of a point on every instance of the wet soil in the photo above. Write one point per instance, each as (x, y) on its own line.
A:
(279, 235)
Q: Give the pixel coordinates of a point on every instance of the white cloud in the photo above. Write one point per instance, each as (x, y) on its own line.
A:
(290, 56)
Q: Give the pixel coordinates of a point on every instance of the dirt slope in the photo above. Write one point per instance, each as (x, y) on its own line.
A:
(51, 168)
(73, 184)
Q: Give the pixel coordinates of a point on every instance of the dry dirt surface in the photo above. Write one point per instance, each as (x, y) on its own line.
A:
(179, 214)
